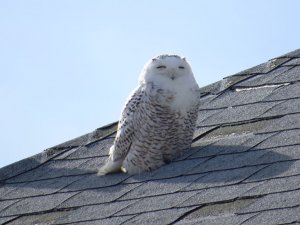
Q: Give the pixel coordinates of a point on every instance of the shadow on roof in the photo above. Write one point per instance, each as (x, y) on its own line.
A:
(223, 164)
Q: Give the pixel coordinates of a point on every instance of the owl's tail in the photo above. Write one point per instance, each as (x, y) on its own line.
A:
(110, 167)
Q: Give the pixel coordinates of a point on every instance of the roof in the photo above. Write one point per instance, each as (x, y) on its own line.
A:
(243, 167)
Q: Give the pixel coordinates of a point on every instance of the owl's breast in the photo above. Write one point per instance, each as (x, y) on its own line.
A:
(175, 99)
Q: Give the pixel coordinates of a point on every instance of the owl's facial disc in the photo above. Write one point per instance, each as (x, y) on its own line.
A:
(170, 71)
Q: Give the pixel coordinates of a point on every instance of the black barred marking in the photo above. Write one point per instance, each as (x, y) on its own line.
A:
(150, 133)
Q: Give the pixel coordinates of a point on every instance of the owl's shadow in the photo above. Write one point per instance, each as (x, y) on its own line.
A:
(220, 164)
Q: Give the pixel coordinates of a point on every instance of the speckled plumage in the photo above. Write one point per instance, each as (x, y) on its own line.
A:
(158, 120)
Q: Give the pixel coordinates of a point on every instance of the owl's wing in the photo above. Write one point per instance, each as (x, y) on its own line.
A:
(127, 124)
(126, 128)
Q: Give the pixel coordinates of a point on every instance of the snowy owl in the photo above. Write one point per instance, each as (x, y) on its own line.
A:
(158, 120)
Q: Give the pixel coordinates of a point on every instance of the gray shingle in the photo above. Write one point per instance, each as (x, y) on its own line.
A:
(92, 165)
(97, 196)
(290, 106)
(214, 87)
(94, 136)
(291, 75)
(43, 218)
(99, 148)
(219, 211)
(93, 212)
(239, 113)
(218, 87)
(6, 203)
(35, 204)
(65, 154)
(48, 218)
(275, 185)
(243, 130)
(280, 154)
(160, 187)
(279, 216)
(23, 165)
(234, 98)
(52, 169)
(234, 160)
(43, 187)
(113, 220)
(196, 147)
(282, 138)
(156, 203)
(174, 169)
(8, 188)
(158, 217)
(224, 219)
(218, 194)
(293, 62)
(208, 151)
(200, 131)
(206, 114)
(4, 220)
(229, 143)
(221, 178)
(274, 201)
(279, 169)
(92, 181)
(285, 92)
(282, 123)
(264, 79)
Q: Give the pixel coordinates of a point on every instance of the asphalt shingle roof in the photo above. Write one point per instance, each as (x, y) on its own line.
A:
(243, 167)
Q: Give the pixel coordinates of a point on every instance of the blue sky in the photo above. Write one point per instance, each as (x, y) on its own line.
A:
(67, 66)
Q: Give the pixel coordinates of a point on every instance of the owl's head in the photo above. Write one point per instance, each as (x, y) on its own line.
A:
(165, 68)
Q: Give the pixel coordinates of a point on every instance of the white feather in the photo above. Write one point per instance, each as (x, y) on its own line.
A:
(158, 120)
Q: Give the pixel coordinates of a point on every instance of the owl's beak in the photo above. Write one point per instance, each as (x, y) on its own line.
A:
(172, 73)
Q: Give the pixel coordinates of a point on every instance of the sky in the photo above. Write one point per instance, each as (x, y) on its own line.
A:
(67, 66)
